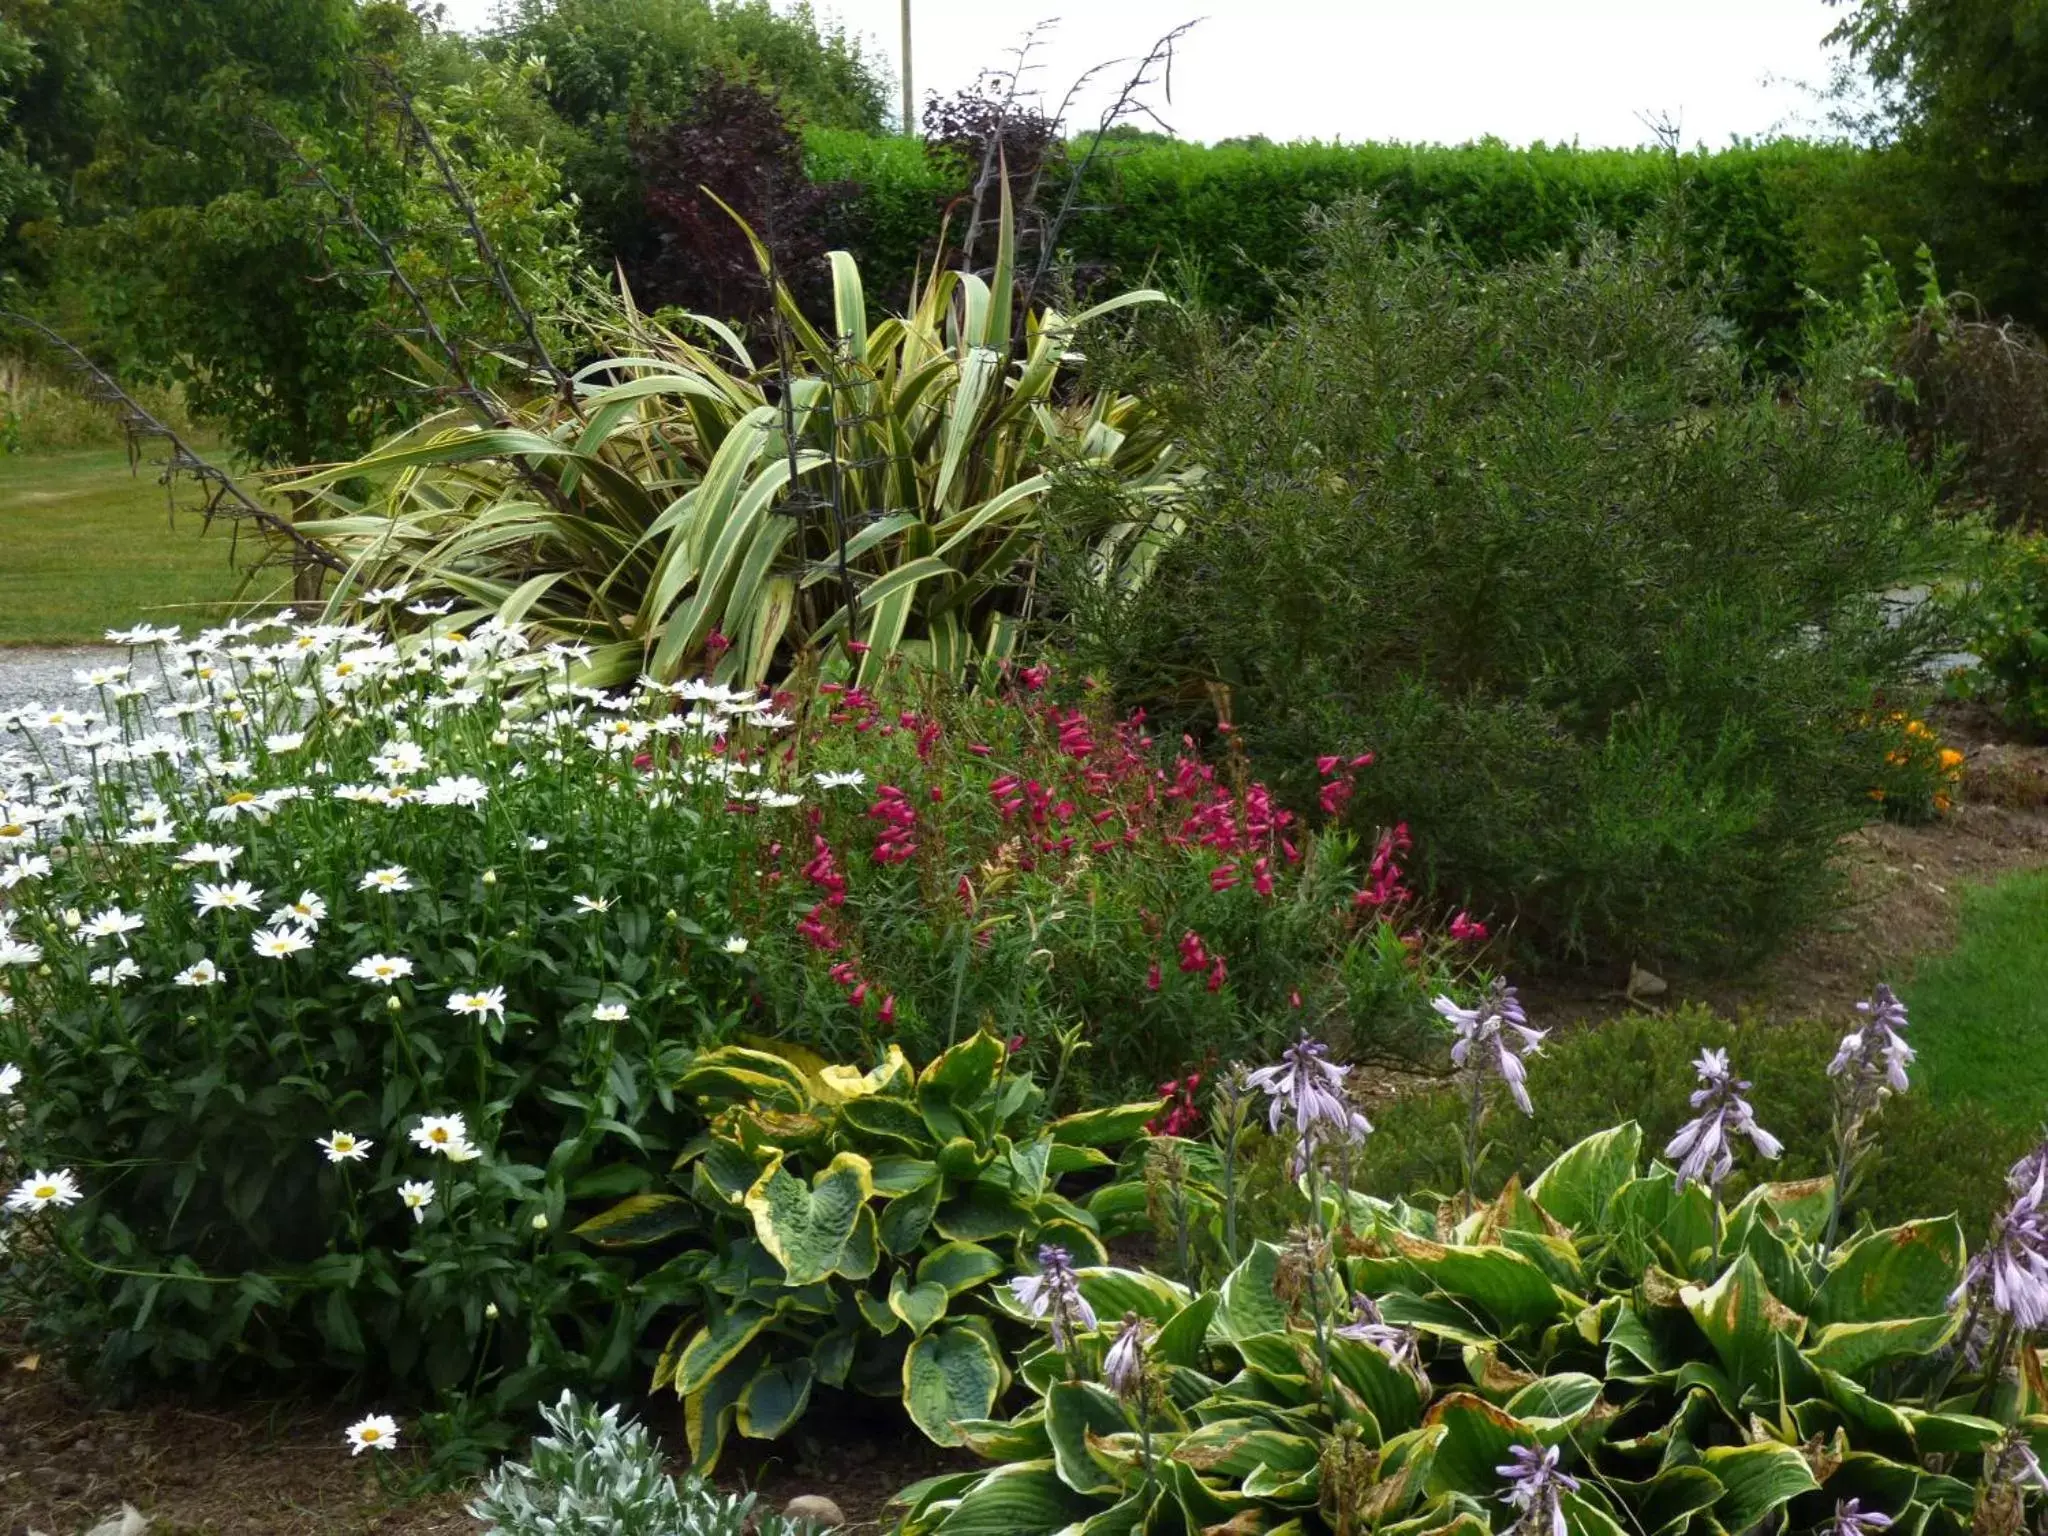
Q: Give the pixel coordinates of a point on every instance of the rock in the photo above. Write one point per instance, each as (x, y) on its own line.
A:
(814, 1509)
(129, 1522)
(1642, 983)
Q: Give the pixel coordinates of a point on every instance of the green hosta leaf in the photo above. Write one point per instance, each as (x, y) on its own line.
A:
(1181, 1339)
(919, 1305)
(729, 1169)
(863, 1250)
(1205, 1506)
(1081, 1241)
(1395, 1397)
(715, 1345)
(1234, 1448)
(1477, 1437)
(833, 1356)
(1509, 1287)
(1250, 1305)
(807, 1227)
(708, 1416)
(875, 1311)
(951, 1374)
(736, 1074)
(884, 1118)
(957, 1267)
(897, 1174)
(1577, 1188)
(638, 1220)
(983, 1210)
(1668, 1500)
(1741, 1319)
(775, 1399)
(906, 1219)
(1025, 1498)
(1113, 1292)
(1950, 1434)
(1438, 1316)
(1852, 1348)
(1075, 1411)
(1755, 1480)
(1106, 1127)
(951, 1089)
(1905, 1271)
(1567, 1397)
(1121, 1209)
(1653, 1221)
(1023, 1438)
(1072, 1159)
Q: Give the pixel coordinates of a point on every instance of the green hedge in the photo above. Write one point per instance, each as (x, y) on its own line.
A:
(1234, 214)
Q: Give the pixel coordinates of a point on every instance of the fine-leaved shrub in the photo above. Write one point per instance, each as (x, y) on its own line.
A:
(592, 1475)
(1608, 610)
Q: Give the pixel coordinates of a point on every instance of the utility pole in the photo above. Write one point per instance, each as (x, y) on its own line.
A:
(909, 96)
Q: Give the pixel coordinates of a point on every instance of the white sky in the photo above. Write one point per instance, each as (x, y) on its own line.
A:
(1415, 70)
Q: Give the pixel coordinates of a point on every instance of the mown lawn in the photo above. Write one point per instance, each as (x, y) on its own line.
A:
(85, 545)
(1980, 1012)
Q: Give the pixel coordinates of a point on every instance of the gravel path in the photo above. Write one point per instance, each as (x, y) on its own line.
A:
(35, 673)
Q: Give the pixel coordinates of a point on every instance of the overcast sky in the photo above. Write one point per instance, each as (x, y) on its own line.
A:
(1419, 70)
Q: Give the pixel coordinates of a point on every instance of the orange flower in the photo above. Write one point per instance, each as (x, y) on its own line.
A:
(1950, 758)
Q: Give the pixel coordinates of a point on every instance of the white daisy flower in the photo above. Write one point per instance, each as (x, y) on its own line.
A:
(344, 1146)
(379, 1432)
(112, 923)
(28, 866)
(123, 970)
(203, 973)
(536, 845)
(437, 1133)
(284, 741)
(388, 881)
(479, 1004)
(595, 903)
(10, 1078)
(381, 970)
(609, 1013)
(852, 778)
(220, 855)
(41, 1189)
(736, 945)
(464, 790)
(417, 1194)
(279, 943)
(309, 912)
(238, 897)
(15, 951)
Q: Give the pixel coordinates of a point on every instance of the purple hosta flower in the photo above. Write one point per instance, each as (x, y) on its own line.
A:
(2011, 1270)
(1704, 1145)
(1536, 1488)
(1054, 1296)
(1874, 1058)
(1852, 1519)
(1308, 1087)
(1493, 1038)
(2023, 1174)
(1367, 1326)
(2011, 1466)
(1123, 1368)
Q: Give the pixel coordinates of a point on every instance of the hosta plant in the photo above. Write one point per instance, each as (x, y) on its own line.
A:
(1606, 1350)
(690, 503)
(845, 1229)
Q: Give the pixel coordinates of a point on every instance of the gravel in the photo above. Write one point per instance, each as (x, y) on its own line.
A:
(34, 673)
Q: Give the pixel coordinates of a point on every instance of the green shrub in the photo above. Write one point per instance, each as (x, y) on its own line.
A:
(2000, 613)
(1934, 1157)
(1238, 215)
(1689, 1365)
(1608, 613)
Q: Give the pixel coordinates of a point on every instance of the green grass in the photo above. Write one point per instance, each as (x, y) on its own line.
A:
(85, 545)
(1980, 1012)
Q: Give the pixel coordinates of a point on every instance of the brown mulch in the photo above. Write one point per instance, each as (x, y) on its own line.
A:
(267, 1469)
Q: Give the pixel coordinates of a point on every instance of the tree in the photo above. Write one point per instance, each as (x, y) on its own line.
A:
(215, 229)
(619, 71)
(1964, 87)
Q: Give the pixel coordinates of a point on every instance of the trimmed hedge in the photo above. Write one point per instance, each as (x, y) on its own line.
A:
(1233, 216)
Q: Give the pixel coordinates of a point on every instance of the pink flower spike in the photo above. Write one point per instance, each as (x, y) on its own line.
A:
(1327, 764)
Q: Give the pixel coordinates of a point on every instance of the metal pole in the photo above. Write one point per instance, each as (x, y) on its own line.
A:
(909, 96)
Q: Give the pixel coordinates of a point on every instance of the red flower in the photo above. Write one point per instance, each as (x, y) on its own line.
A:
(1218, 974)
(888, 1014)
(1465, 929)
(1152, 978)
(1222, 877)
